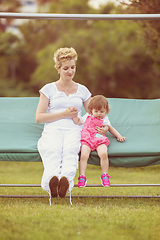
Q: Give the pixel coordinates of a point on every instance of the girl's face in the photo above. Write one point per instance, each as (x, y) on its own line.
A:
(99, 113)
(67, 70)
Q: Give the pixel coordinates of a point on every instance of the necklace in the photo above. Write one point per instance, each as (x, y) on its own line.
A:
(62, 88)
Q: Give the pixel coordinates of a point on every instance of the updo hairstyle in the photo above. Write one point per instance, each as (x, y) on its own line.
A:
(63, 54)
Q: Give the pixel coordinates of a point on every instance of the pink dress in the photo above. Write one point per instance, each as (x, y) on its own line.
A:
(90, 136)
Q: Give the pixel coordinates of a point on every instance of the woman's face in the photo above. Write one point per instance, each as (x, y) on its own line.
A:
(67, 70)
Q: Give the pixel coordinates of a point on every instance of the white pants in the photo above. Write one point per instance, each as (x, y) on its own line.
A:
(59, 150)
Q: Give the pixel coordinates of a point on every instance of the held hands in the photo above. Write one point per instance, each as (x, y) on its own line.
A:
(71, 112)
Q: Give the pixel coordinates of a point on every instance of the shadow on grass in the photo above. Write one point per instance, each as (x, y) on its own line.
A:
(92, 202)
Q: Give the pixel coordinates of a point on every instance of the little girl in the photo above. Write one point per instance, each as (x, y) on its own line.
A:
(91, 140)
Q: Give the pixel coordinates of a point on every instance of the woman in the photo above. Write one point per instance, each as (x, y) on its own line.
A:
(59, 144)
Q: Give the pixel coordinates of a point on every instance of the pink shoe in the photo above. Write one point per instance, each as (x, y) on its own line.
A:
(82, 181)
(105, 180)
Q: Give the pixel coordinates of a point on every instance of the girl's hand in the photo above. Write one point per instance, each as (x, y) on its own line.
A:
(121, 139)
(102, 130)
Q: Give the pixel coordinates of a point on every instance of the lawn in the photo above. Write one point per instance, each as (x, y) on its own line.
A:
(88, 218)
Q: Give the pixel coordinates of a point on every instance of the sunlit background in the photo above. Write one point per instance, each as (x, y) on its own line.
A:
(117, 58)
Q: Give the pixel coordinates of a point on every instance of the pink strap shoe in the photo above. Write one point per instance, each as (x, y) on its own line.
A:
(82, 181)
(105, 180)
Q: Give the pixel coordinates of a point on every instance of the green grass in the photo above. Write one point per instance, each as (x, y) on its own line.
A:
(87, 218)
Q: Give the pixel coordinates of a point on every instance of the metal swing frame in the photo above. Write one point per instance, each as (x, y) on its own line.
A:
(80, 17)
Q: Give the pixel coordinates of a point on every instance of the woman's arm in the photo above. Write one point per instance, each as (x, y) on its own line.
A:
(85, 104)
(115, 133)
(43, 117)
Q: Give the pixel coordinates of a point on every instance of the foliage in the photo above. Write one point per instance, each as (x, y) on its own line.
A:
(8, 6)
(151, 33)
(10, 49)
(115, 58)
(114, 62)
(150, 37)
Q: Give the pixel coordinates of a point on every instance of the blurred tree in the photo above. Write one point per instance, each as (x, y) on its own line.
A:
(150, 36)
(113, 57)
(8, 6)
(72, 6)
(113, 62)
(42, 2)
(11, 52)
(38, 34)
(49, 31)
(151, 27)
(10, 49)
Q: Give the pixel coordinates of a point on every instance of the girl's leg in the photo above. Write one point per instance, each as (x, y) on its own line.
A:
(102, 152)
(104, 162)
(85, 151)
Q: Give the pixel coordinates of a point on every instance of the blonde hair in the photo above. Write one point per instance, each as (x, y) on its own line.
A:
(63, 54)
(98, 102)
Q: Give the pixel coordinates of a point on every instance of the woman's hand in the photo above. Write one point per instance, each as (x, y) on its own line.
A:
(71, 112)
(103, 130)
(44, 117)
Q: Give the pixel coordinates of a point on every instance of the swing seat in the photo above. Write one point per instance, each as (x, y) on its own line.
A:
(137, 120)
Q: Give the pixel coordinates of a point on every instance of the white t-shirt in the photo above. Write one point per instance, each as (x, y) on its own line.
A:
(59, 102)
